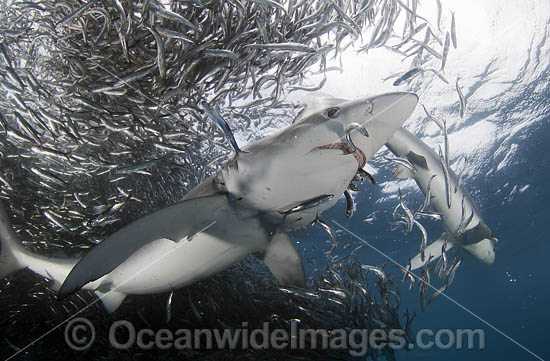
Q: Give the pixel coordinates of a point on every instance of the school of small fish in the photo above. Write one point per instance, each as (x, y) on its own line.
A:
(107, 113)
(405, 219)
(103, 100)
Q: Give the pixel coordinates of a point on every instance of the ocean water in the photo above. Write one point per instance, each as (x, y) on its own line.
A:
(507, 297)
(502, 65)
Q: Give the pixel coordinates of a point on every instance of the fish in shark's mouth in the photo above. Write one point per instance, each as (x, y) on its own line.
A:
(346, 148)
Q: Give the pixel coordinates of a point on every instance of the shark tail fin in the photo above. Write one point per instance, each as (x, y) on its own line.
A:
(10, 247)
(432, 252)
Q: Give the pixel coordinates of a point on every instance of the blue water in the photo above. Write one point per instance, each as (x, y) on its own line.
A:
(511, 295)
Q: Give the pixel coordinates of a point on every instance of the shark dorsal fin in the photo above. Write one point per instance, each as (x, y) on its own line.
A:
(283, 261)
(315, 103)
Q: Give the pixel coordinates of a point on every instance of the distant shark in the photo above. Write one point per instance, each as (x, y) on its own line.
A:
(462, 220)
(272, 186)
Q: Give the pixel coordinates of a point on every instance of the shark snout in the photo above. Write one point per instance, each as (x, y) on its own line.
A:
(483, 251)
(391, 109)
(398, 106)
(380, 116)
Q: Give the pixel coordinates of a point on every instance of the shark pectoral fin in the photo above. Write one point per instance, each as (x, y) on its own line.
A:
(402, 172)
(432, 252)
(283, 261)
(173, 222)
(111, 299)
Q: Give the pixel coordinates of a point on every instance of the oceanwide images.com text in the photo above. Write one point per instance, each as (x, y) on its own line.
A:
(80, 335)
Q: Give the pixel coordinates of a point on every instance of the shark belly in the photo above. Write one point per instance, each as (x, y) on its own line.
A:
(165, 264)
(462, 205)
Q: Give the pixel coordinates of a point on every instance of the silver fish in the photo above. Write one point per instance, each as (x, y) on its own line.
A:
(161, 11)
(308, 204)
(427, 198)
(436, 121)
(407, 76)
(439, 13)
(329, 230)
(169, 307)
(461, 98)
(350, 204)
(445, 51)
(295, 47)
(443, 163)
(453, 29)
(437, 293)
(424, 238)
(376, 270)
(214, 115)
(452, 273)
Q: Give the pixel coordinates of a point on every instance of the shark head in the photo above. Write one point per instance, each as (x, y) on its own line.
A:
(312, 157)
(483, 251)
(379, 116)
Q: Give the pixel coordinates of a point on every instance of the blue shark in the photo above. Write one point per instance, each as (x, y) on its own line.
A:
(460, 216)
(275, 185)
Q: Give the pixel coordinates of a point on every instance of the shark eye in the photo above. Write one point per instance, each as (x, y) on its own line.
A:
(333, 112)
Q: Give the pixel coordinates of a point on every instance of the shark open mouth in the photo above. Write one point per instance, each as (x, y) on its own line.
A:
(346, 148)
